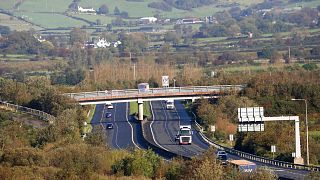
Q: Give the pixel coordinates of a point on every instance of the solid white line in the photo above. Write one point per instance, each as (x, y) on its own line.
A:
(130, 126)
(115, 124)
(154, 139)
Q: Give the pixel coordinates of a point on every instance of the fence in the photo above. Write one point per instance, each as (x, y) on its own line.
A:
(42, 115)
(255, 157)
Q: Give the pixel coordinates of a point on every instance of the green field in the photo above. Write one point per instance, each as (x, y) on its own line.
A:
(7, 4)
(45, 5)
(16, 24)
(48, 20)
(93, 18)
(146, 108)
(48, 14)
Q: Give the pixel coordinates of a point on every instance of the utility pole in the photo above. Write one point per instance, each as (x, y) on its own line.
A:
(134, 71)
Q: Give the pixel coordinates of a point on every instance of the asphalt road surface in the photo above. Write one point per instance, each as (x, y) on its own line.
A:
(166, 125)
(121, 136)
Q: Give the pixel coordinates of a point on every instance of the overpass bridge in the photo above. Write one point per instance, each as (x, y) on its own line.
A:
(153, 94)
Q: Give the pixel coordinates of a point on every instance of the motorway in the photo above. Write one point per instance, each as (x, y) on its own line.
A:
(127, 133)
(166, 125)
(121, 136)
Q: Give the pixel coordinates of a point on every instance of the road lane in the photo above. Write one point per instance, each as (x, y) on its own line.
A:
(165, 127)
(120, 137)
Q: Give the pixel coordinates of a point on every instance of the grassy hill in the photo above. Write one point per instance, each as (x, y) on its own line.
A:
(52, 14)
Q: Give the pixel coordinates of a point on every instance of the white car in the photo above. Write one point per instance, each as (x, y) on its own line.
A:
(109, 106)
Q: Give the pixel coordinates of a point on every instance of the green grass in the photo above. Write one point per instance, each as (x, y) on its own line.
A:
(93, 18)
(88, 128)
(45, 5)
(49, 20)
(146, 108)
(16, 24)
(7, 4)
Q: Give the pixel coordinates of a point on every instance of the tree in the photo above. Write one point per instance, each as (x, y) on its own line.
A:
(124, 14)
(310, 66)
(97, 137)
(116, 11)
(172, 37)
(103, 9)
(206, 112)
(4, 30)
(77, 36)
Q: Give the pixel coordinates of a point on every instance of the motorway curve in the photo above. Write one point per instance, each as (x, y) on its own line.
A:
(127, 133)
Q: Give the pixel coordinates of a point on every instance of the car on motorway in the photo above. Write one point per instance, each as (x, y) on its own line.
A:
(109, 106)
(109, 126)
(108, 115)
(222, 156)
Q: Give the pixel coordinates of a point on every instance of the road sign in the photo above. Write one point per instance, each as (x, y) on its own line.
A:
(165, 81)
(250, 127)
(231, 137)
(273, 148)
(213, 128)
(250, 114)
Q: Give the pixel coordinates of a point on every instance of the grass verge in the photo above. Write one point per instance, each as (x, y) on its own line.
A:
(88, 128)
(146, 108)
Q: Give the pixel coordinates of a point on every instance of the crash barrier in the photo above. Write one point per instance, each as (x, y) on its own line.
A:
(42, 115)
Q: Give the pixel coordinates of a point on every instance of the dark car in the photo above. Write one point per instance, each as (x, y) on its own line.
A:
(109, 126)
(222, 156)
(108, 115)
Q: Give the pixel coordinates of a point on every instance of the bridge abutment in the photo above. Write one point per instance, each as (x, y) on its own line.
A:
(140, 109)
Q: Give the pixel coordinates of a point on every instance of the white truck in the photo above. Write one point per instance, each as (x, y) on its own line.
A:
(170, 104)
(184, 135)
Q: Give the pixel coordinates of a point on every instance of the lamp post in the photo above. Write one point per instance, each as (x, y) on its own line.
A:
(307, 131)
(174, 83)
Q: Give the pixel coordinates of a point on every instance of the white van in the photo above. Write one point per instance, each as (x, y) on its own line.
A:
(170, 104)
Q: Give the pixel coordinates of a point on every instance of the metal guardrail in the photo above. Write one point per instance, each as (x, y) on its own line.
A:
(42, 115)
(169, 90)
(255, 157)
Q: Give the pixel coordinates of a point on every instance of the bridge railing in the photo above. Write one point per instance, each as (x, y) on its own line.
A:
(42, 115)
(133, 92)
(255, 157)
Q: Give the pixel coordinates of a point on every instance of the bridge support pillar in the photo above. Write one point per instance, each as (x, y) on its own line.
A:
(140, 109)
(298, 159)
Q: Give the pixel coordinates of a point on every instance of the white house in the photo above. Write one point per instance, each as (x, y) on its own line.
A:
(86, 10)
(149, 19)
(102, 43)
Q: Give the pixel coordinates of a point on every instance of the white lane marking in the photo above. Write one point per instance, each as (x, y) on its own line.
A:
(154, 139)
(166, 123)
(130, 126)
(115, 124)
(102, 116)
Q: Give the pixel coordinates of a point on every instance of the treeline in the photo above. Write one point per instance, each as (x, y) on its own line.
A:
(188, 4)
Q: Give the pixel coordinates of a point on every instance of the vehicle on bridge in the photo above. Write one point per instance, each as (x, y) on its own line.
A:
(170, 104)
(143, 87)
(244, 165)
(184, 135)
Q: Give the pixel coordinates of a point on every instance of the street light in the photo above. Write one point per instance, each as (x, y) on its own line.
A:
(307, 131)
(174, 83)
